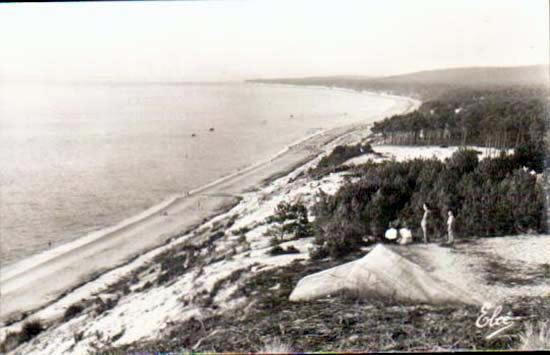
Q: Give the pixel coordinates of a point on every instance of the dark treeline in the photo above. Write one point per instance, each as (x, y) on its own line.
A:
(485, 106)
(505, 118)
(491, 197)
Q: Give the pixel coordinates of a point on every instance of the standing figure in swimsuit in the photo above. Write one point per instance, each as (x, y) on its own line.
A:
(451, 227)
(424, 223)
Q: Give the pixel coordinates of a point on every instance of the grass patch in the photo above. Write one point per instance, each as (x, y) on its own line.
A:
(536, 337)
(276, 346)
(503, 272)
(346, 322)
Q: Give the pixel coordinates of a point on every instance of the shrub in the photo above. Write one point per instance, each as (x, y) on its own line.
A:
(498, 168)
(338, 238)
(291, 219)
(339, 155)
(242, 239)
(242, 230)
(464, 161)
(108, 304)
(318, 252)
(72, 311)
(77, 336)
(30, 330)
(231, 221)
(172, 265)
(277, 235)
(278, 250)
(147, 285)
(530, 155)
(218, 235)
(11, 341)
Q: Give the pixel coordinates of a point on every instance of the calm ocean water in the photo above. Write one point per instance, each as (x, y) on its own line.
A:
(78, 158)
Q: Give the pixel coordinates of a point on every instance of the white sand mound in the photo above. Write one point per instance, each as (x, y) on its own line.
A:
(382, 273)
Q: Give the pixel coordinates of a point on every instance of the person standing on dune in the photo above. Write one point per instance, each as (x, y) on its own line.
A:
(450, 227)
(424, 222)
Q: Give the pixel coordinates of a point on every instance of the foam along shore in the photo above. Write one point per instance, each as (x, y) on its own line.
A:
(73, 264)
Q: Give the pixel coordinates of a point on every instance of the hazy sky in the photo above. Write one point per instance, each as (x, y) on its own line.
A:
(234, 40)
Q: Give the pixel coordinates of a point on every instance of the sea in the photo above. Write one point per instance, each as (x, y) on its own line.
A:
(76, 158)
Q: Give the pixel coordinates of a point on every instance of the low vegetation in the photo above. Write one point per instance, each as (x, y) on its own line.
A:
(341, 153)
(289, 221)
(276, 346)
(335, 324)
(29, 331)
(278, 250)
(72, 311)
(535, 336)
(492, 197)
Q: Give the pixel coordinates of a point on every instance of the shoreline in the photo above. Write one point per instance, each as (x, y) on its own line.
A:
(94, 253)
(16, 268)
(7, 270)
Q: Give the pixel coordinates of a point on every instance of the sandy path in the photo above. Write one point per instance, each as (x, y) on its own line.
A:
(466, 265)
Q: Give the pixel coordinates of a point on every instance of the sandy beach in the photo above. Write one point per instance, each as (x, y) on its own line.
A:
(68, 266)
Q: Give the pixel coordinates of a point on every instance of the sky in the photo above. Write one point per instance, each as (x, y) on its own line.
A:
(238, 40)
